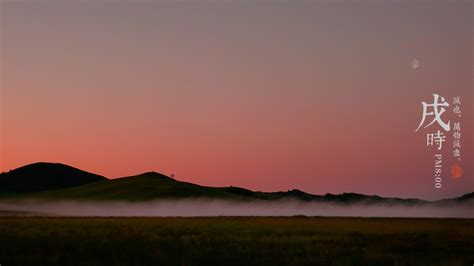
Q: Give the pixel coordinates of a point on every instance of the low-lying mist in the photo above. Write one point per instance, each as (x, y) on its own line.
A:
(204, 207)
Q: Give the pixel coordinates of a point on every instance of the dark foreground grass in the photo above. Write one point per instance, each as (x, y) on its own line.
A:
(235, 241)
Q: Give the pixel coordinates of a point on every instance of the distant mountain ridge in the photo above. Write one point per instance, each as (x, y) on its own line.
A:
(59, 181)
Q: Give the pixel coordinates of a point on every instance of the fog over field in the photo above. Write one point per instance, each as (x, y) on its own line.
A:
(203, 207)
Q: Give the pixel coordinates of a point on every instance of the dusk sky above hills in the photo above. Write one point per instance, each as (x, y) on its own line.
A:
(269, 96)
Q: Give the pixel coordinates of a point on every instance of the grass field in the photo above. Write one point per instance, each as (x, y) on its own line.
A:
(235, 241)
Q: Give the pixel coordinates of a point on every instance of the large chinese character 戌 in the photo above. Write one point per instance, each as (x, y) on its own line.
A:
(437, 110)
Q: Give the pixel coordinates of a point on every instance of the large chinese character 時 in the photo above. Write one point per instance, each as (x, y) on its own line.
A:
(435, 138)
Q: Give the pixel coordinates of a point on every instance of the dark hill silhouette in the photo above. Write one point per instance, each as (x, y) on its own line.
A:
(466, 197)
(290, 194)
(59, 181)
(44, 176)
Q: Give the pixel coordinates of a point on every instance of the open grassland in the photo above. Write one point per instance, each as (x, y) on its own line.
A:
(235, 241)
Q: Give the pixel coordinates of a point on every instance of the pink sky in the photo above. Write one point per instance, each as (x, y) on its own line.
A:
(319, 97)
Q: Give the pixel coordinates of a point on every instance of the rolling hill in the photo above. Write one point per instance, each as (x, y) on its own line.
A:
(146, 186)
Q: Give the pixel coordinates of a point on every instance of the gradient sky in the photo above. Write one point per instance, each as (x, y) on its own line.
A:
(270, 96)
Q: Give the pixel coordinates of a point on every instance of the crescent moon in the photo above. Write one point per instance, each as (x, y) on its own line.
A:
(415, 63)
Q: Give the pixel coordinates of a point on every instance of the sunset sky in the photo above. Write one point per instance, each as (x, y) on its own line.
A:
(267, 95)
